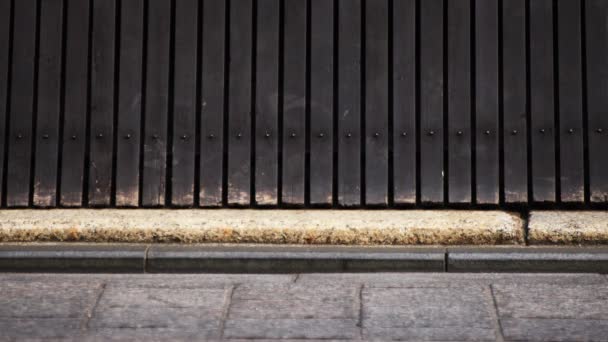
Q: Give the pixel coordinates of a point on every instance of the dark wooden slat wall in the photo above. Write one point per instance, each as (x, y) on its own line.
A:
(303, 102)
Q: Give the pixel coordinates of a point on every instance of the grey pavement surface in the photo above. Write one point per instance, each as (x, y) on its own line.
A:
(366, 306)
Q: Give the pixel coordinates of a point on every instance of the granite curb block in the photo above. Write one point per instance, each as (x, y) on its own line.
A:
(305, 259)
(120, 258)
(528, 259)
(261, 226)
(568, 227)
(76, 258)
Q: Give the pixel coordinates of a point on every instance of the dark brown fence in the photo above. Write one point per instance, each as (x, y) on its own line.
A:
(303, 102)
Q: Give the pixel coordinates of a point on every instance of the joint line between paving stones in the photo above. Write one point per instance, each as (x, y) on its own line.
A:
(296, 278)
(495, 316)
(226, 309)
(360, 321)
(89, 313)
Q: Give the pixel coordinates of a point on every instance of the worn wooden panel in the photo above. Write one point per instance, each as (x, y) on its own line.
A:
(212, 102)
(404, 101)
(572, 171)
(5, 23)
(459, 101)
(239, 102)
(596, 14)
(184, 103)
(267, 103)
(129, 103)
(75, 103)
(376, 102)
(486, 101)
(542, 101)
(321, 101)
(156, 102)
(102, 102)
(515, 101)
(21, 103)
(48, 104)
(294, 101)
(349, 103)
(431, 101)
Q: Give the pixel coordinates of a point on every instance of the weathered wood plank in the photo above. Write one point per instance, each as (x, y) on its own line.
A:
(48, 104)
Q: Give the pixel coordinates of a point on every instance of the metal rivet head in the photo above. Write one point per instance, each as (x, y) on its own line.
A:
(293, 135)
(514, 132)
(267, 135)
(321, 135)
(403, 134)
(211, 136)
(599, 130)
(459, 133)
(431, 133)
(73, 137)
(348, 135)
(376, 135)
(99, 135)
(19, 136)
(239, 135)
(155, 137)
(542, 130)
(570, 131)
(487, 132)
(45, 136)
(184, 137)
(127, 136)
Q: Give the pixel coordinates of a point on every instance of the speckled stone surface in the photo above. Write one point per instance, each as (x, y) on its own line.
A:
(568, 227)
(350, 227)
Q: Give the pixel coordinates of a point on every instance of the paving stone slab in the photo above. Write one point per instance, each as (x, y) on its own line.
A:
(72, 258)
(46, 300)
(47, 328)
(552, 301)
(340, 227)
(528, 259)
(293, 259)
(431, 313)
(531, 329)
(568, 227)
(292, 329)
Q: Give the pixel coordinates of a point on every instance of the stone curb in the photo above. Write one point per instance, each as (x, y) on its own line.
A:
(309, 227)
(568, 227)
(117, 258)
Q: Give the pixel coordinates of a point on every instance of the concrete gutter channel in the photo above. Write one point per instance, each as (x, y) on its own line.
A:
(302, 241)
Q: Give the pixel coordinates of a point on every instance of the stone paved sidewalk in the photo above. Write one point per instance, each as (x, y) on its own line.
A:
(414, 306)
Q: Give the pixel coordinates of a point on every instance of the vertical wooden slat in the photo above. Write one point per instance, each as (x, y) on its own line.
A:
(157, 102)
(376, 102)
(570, 101)
(459, 100)
(184, 103)
(349, 103)
(321, 101)
(515, 102)
(266, 103)
(75, 102)
(431, 101)
(102, 102)
(294, 101)
(486, 101)
(22, 103)
(542, 100)
(49, 103)
(404, 101)
(5, 21)
(212, 102)
(596, 13)
(239, 102)
(129, 103)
